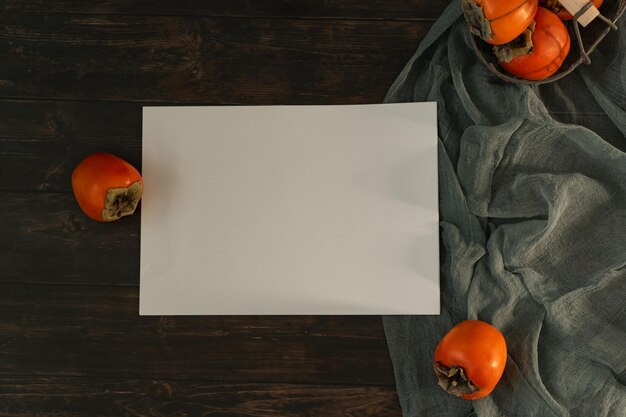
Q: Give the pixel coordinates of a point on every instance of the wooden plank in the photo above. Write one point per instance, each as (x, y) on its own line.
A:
(46, 238)
(88, 397)
(56, 330)
(42, 141)
(202, 60)
(371, 9)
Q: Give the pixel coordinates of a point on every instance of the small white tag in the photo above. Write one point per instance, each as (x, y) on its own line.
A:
(573, 6)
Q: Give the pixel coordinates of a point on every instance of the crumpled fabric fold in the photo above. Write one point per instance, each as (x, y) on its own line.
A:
(532, 194)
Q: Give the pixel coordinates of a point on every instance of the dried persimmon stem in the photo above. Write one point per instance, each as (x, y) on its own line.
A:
(453, 380)
(479, 24)
(522, 45)
(121, 202)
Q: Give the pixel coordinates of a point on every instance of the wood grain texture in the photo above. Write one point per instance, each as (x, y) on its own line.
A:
(47, 238)
(57, 330)
(202, 60)
(73, 78)
(89, 397)
(370, 9)
(42, 141)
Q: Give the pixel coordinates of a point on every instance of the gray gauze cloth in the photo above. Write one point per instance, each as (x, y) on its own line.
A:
(532, 190)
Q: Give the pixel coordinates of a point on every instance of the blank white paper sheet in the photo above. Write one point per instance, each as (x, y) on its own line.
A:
(290, 210)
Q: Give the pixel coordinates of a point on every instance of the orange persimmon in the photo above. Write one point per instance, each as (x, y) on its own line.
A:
(106, 187)
(470, 359)
(540, 51)
(499, 21)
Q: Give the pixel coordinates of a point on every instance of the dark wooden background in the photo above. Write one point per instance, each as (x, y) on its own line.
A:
(74, 75)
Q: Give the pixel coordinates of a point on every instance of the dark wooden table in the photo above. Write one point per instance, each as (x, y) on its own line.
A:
(73, 78)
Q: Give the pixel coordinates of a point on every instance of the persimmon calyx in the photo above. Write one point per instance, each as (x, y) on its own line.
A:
(522, 45)
(453, 380)
(120, 202)
(479, 24)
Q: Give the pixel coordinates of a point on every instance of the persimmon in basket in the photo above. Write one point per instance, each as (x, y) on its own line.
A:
(499, 21)
(539, 51)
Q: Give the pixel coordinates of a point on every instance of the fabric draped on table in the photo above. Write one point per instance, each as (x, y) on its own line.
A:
(533, 225)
